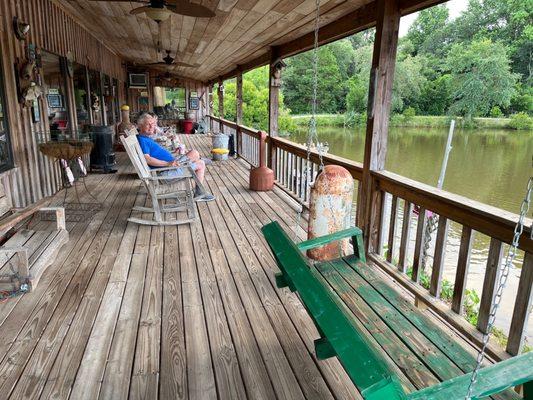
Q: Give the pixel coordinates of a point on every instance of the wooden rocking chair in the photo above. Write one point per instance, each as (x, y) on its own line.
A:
(161, 188)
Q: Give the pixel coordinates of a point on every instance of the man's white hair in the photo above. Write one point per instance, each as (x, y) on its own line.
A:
(142, 119)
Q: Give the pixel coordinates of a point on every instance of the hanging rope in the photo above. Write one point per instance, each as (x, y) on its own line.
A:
(511, 254)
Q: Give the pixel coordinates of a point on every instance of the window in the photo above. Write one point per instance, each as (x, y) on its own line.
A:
(6, 156)
(81, 96)
(55, 96)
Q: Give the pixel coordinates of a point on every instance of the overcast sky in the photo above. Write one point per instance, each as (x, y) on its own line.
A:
(455, 7)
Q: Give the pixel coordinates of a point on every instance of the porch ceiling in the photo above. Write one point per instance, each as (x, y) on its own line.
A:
(241, 33)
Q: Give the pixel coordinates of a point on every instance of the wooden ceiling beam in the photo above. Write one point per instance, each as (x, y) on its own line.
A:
(361, 19)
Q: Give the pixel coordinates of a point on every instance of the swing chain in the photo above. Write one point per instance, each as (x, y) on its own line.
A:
(312, 133)
(505, 268)
(431, 225)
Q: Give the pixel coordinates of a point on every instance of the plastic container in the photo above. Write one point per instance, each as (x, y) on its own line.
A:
(220, 154)
(220, 141)
(186, 125)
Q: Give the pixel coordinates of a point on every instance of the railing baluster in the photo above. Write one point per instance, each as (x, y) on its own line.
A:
(522, 307)
(301, 193)
(419, 244)
(380, 198)
(287, 171)
(463, 262)
(489, 283)
(406, 232)
(392, 227)
(276, 163)
(438, 259)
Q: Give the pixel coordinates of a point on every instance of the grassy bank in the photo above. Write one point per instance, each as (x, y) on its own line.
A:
(340, 120)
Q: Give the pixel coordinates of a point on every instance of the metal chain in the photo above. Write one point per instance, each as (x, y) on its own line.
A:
(511, 254)
(431, 224)
(312, 135)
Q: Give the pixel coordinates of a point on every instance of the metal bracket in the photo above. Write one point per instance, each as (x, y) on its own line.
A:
(324, 349)
(282, 282)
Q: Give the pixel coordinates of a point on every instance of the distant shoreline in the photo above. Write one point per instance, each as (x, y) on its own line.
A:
(421, 121)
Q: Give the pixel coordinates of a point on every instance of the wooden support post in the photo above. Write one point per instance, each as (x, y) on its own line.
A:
(274, 79)
(239, 99)
(239, 113)
(220, 92)
(379, 100)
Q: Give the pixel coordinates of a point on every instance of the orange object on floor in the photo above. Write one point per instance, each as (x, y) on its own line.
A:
(262, 178)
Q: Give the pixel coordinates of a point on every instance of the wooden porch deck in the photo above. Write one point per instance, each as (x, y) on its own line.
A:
(130, 311)
(174, 312)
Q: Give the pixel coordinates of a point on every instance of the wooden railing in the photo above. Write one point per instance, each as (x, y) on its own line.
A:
(294, 174)
(401, 233)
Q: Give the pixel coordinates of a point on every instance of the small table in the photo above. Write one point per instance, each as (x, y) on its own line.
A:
(70, 150)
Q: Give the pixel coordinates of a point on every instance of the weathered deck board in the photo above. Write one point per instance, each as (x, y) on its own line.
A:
(188, 312)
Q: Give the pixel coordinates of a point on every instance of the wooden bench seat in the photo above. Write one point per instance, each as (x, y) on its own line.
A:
(26, 254)
(390, 348)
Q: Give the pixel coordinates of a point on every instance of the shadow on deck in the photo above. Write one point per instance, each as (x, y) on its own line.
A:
(174, 312)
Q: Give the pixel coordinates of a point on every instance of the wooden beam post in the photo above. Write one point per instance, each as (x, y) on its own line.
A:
(274, 83)
(220, 93)
(379, 100)
(239, 113)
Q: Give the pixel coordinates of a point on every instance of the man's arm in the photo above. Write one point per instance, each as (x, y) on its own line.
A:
(154, 162)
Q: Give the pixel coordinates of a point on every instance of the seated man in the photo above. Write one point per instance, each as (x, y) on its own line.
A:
(157, 156)
(190, 156)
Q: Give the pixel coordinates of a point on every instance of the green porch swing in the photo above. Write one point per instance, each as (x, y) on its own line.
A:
(325, 287)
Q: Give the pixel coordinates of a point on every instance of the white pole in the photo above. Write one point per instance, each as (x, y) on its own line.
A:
(446, 155)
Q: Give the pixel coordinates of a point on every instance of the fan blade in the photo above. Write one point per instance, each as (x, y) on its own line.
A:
(182, 64)
(124, 1)
(139, 10)
(183, 7)
(156, 63)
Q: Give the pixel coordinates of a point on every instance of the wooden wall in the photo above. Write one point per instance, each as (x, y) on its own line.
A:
(34, 175)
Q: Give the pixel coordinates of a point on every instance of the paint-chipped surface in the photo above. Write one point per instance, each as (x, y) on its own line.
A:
(330, 208)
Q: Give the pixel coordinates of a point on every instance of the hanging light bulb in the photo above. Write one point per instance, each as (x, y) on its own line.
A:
(158, 14)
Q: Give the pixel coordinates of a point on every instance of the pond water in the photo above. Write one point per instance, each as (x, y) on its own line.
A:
(490, 166)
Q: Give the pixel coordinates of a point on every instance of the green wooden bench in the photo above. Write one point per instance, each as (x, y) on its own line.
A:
(388, 347)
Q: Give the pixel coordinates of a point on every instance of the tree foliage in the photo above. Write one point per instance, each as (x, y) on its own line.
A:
(481, 78)
(254, 102)
(466, 66)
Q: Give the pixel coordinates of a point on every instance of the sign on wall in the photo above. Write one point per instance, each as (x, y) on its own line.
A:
(194, 103)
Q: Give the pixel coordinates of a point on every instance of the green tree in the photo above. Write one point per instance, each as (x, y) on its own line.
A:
(357, 95)
(481, 77)
(298, 82)
(255, 102)
(428, 31)
(506, 21)
(435, 97)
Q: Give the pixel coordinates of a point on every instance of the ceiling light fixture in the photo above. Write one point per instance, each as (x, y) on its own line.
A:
(158, 14)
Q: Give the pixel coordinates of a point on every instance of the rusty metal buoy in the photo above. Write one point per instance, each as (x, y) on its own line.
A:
(262, 178)
(330, 208)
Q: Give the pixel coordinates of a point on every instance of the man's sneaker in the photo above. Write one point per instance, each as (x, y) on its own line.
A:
(206, 197)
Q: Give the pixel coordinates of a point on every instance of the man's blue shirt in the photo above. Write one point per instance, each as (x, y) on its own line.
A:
(153, 149)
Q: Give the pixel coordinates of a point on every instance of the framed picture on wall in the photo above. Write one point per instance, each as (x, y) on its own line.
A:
(194, 103)
(55, 100)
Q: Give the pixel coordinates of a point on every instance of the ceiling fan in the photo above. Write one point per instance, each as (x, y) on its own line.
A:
(160, 10)
(168, 60)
